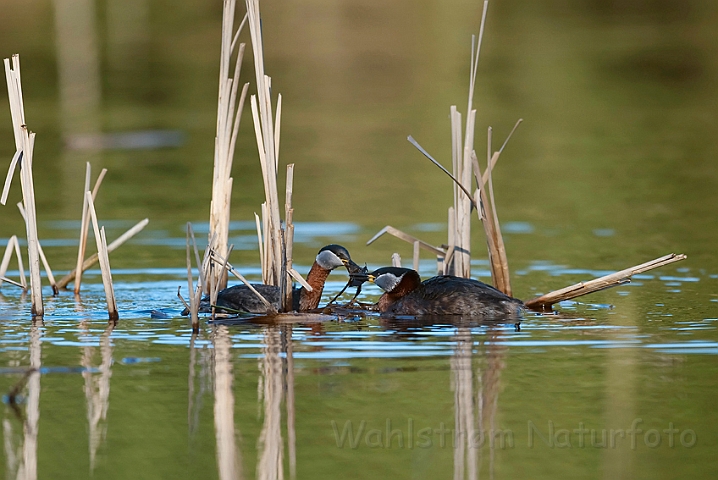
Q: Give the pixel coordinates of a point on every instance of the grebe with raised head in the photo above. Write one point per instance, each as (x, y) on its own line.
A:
(240, 298)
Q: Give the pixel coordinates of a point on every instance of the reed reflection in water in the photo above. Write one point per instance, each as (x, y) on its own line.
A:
(97, 386)
(475, 416)
(21, 450)
(275, 383)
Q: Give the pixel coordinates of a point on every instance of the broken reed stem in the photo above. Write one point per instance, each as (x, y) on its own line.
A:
(193, 303)
(287, 297)
(498, 274)
(24, 143)
(417, 247)
(495, 156)
(13, 246)
(498, 238)
(92, 259)
(607, 281)
(85, 225)
(104, 260)
(12, 282)
(396, 260)
(407, 238)
(229, 111)
(48, 270)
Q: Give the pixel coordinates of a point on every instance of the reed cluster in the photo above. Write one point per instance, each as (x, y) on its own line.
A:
(24, 145)
(229, 112)
(454, 258)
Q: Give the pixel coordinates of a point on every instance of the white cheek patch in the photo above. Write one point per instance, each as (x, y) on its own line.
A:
(328, 260)
(387, 282)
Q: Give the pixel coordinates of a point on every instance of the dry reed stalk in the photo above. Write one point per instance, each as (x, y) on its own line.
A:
(48, 270)
(499, 275)
(267, 135)
(229, 110)
(24, 146)
(407, 238)
(287, 303)
(607, 281)
(12, 282)
(417, 246)
(396, 260)
(85, 223)
(13, 246)
(193, 306)
(92, 259)
(104, 260)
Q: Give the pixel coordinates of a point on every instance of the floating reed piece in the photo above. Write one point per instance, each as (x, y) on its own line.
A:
(93, 259)
(13, 246)
(104, 260)
(24, 145)
(544, 302)
(229, 111)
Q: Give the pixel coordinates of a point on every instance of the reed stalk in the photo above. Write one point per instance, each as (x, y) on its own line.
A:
(24, 146)
(499, 274)
(267, 135)
(287, 296)
(13, 246)
(48, 270)
(417, 247)
(93, 259)
(85, 223)
(104, 260)
(407, 238)
(193, 306)
(229, 111)
(544, 302)
(396, 260)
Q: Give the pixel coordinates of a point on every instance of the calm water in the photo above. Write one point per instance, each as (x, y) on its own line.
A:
(614, 165)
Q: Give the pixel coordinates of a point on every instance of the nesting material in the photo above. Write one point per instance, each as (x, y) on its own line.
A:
(24, 146)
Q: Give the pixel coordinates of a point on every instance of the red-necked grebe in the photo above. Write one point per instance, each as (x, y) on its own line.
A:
(241, 298)
(406, 294)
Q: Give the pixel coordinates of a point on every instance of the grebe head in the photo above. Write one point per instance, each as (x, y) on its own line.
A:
(333, 256)
(390, 278)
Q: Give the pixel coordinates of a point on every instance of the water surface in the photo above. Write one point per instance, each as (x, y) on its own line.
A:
(613, 166)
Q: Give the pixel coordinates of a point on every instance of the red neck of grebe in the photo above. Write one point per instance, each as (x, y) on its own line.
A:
(408, 283)
(316, 278)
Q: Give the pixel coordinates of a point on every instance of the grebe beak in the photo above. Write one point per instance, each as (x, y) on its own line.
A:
(360, 277)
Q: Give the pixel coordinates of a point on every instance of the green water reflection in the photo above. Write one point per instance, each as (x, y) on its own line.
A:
(613, 165)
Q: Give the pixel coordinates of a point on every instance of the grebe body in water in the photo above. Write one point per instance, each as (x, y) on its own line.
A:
(241, 298)
(406, 294)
